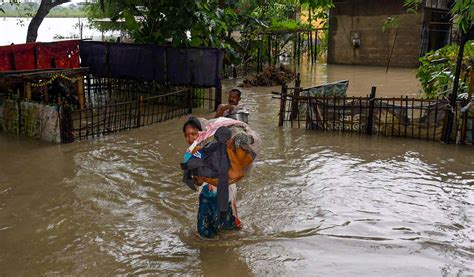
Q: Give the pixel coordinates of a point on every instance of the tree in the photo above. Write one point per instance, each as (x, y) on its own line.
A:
(203, 22)
(43, 10)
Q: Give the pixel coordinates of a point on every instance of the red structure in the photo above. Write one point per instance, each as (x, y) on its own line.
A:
(30, 56)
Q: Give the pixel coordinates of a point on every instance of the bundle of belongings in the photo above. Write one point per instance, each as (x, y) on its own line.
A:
(220, 155)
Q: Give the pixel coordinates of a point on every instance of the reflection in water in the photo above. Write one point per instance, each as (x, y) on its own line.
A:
(314, 203)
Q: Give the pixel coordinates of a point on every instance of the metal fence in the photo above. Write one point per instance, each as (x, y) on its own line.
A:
(113, 105)
(106, 91)
(393, 117)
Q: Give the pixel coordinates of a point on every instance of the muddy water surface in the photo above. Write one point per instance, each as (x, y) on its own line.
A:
(314, 204)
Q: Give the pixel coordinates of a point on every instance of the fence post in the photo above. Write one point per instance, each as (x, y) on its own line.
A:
(370, 117)
(218, 99)
(298, 80)
(80, 92)
(295, 102)
(284, 91)
(139, 112)
(66, 123)
(27, 90)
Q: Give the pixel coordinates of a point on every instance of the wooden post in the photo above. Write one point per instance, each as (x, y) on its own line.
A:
(298, 80)
(295, 101)
(27, 88)
(80, 92)
(218, 99)
(370, 118)
(66, 123)
(284, 91)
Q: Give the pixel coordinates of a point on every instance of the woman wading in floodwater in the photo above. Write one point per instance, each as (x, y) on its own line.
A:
(213, 163)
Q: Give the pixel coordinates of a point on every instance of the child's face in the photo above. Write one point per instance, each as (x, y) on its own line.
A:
(190, 134)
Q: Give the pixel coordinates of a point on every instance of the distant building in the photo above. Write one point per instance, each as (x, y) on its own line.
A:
(356, 36)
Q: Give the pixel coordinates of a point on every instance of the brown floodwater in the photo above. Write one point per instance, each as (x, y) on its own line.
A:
(397, 81)
(315, 203)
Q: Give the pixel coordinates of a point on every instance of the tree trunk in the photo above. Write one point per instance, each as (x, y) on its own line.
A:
(43, 10)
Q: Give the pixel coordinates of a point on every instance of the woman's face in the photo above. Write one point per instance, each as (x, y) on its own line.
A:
(190, 134)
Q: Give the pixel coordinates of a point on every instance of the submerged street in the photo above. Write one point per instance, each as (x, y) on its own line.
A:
(314, 203)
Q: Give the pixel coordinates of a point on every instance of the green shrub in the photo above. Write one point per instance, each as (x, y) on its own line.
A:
(437, 69)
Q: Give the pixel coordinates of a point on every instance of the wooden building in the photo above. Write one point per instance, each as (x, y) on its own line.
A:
(357, 35)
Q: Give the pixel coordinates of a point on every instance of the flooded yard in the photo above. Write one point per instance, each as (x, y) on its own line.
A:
(314, 203)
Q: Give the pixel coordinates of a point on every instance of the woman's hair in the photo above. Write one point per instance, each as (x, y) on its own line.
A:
(193, 122)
